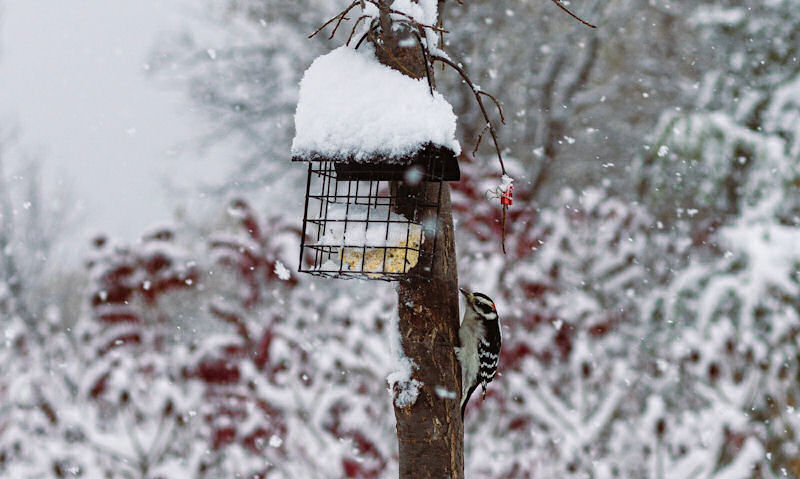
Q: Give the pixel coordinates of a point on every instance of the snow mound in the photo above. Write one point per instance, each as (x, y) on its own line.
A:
(353, 108)
(405, 390)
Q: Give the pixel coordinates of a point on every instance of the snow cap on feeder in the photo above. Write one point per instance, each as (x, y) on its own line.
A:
(369, 120)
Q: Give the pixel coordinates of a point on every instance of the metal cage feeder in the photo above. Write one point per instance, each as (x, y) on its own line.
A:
(375, 220)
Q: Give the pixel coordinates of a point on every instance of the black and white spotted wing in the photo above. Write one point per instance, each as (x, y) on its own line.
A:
(489, 352)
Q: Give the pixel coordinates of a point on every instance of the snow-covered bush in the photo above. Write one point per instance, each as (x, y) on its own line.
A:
(295, 376)
(567, 292)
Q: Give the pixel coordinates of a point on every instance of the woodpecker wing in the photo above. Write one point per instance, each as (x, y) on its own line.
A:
(489, 352)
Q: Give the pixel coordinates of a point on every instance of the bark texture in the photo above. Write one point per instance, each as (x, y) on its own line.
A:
(429, 432)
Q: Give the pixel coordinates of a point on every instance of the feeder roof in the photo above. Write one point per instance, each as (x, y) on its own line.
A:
(353, 108)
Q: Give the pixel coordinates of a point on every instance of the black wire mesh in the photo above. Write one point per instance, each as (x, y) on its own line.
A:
(361, 221)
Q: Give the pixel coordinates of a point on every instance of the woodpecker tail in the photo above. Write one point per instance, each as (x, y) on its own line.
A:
(465, 398)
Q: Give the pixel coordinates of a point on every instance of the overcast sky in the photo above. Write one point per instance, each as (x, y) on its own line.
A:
(72, 72)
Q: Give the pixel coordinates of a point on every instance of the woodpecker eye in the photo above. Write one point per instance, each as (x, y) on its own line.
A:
(482, 303)
(485, 308)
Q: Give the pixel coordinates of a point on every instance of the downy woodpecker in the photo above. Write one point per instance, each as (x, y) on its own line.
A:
(480, 345)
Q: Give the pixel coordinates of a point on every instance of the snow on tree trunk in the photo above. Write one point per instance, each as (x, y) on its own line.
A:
(429, 430)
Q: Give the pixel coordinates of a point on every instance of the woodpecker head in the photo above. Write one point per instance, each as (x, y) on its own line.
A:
(481, 304)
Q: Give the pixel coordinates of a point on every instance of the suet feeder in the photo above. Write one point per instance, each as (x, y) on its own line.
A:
(378, 146)
(368, 221)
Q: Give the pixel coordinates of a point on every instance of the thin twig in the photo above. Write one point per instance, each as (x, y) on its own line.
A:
(562, 7)
(425, 60)
(336, 27)
(477, 92)
(355, 26)
(496, 103)
(480, 139)
(340, 17)
(411, 19)
(363, 37)
(441, 37)
(503, 226)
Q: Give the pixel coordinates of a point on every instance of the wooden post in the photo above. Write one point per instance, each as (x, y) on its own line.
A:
(430, 433)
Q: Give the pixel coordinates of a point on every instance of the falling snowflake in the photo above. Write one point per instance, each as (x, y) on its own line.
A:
(282, 271)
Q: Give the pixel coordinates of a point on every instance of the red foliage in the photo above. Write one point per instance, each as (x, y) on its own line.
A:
(351, 468)
(254, 254)
(99, 387)
(147, 272)
(370, 464)
(217, 371)
(262, 349)
(222, 436)
(119, 340)
(564, 340)
(512, 355)
(117, 316)
(519, 424)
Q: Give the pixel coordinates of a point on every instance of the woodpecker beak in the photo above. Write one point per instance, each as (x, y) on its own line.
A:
(466, 293)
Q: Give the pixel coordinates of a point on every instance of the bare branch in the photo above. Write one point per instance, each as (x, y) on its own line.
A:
(477, 94)
(355, 26)
(562, 7)
(480, 139)
(411, 19)
(342, 16)
(338, 19)
(496, 103)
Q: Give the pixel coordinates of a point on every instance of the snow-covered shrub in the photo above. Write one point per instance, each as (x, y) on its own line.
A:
(295, 378)
(568, 294)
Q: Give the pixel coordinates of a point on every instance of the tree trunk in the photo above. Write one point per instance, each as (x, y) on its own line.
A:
(429, 432)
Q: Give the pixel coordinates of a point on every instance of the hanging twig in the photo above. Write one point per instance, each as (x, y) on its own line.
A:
(496, 103)
(562, 7)
(503, 227)
(355, 26)
(363, 37)
(504, 193)
(427, 63)
(423, 48)
(477, 92)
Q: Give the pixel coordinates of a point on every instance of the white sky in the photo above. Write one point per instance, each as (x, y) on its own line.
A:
(72, 74)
